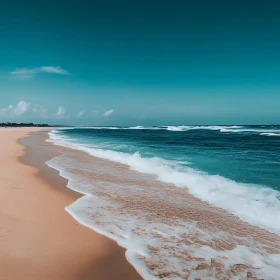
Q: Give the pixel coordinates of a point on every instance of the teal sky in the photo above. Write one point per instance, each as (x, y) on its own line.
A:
(111, 62)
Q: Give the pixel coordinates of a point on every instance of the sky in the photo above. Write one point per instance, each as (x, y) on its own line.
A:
(120, 62)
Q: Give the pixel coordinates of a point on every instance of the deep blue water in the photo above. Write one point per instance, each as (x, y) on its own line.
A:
(245, 154)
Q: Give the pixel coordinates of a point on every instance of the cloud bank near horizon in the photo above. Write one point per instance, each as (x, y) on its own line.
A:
(15, 111)
(23, 110)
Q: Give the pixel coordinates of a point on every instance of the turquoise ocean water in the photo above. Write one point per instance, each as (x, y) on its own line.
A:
(235, 168)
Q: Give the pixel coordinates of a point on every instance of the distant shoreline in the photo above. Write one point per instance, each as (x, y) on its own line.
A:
(8, 124)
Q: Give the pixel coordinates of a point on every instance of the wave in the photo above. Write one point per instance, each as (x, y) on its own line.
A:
(227, 129)
(170, 127)
(254, 204)
(271, 134)
(181, 128)
(121, 127)
(156, 246)
(210, 127)
(261, 131)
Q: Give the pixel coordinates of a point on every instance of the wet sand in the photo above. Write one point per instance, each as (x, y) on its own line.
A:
(38, 238)
(187, 238)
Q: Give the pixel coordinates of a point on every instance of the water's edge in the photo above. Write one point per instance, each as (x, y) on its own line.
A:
(128, 254)
(73, 210)
(35, 142)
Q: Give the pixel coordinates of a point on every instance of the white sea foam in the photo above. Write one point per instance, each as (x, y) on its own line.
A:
(227, 129)
(170, 128)
(121, 127)
(271, 134)
(137, 232)
(249, 130)
(175, 128)
(214, 127)
(254, 204)
(178, 128)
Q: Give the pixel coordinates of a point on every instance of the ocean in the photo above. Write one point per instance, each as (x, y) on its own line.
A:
(186, 201)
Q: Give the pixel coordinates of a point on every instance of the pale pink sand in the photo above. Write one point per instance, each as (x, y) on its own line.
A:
(38, 238)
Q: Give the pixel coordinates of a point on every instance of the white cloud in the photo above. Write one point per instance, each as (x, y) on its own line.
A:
(27, 73)
(14, 111)
(6, 111)
(81, 114)
(54, 70)
(23, 73)
(41, 111)
(108, 113)
(23, 111)
(61, 112)
(21, 108)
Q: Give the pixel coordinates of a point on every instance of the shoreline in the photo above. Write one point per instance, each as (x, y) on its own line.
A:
(38, 238)
(230, 237)
(234, 234)
(37, 141)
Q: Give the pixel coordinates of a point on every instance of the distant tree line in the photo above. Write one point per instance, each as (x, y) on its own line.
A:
(9, 124)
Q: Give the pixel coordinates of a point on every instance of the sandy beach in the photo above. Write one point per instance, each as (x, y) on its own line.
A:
(38, 238)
